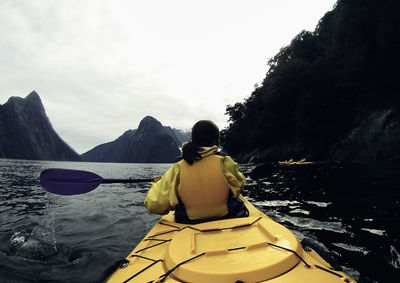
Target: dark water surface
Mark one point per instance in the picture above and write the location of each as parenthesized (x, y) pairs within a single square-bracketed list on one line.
[(348, 212)]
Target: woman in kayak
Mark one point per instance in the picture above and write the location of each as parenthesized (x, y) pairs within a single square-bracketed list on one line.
[(203, 184)]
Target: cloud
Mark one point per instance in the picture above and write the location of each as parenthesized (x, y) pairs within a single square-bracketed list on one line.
[(101, 66)]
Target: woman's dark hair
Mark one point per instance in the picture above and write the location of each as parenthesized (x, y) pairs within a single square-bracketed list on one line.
[(204, 133)]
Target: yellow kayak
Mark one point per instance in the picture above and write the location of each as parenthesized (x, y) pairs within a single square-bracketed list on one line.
[(248, 249), (292, 162)]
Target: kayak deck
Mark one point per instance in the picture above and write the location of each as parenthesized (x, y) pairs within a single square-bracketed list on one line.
[(248, 249)]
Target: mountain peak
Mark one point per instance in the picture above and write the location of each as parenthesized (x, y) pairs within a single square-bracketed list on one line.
[(149, 122), (28, 133), (151, 142), (34, 99), (33, 96)]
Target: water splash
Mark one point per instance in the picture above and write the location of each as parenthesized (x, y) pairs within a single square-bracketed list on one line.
[(40, 244)]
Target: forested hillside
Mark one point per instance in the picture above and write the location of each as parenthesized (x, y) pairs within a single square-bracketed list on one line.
[(333, 93)]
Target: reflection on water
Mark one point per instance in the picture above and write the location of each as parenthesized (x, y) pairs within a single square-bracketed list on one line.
[(346, 212)]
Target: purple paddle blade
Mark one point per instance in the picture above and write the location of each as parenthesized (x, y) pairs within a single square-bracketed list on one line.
[(69, 182)]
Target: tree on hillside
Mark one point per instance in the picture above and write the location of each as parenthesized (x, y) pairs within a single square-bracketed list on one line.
[(320, 84)]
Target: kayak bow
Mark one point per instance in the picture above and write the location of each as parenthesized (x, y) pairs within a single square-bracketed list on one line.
[(248, 249)]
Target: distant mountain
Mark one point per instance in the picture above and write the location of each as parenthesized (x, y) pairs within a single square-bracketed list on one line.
[(150, 143), (112, 151), (26, 132), (179, 136)]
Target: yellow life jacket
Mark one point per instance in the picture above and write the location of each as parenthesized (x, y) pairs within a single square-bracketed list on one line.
[(203, 188)]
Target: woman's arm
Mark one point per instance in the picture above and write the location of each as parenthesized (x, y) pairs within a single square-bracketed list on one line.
[(161, 197), (234, 177)]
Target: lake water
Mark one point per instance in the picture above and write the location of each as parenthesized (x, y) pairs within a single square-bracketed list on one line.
[(348, 212)]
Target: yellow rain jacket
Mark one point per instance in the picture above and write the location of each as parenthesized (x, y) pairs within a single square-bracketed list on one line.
[(203, 187)]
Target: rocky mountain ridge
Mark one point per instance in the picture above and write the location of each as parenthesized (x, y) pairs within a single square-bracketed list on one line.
[(150, 143), (26, 132)]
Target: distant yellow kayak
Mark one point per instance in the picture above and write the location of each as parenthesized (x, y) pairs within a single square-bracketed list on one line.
[(248, 249), (292, 162)]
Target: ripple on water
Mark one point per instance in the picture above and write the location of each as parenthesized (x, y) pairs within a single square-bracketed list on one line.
[(395, 257), (276, 203), (375, 231), (352, 248), (299, 211), (309, 223), (318, 203)]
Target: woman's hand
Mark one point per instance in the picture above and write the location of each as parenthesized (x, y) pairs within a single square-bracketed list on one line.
[(156, 179)]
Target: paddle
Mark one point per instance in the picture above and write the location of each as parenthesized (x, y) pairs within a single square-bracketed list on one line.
[(75, 182)]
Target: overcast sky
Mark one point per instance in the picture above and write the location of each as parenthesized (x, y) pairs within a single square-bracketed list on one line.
[(101, 66)]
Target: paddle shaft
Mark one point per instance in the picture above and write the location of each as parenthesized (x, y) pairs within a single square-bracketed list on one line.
[(125, 181)]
